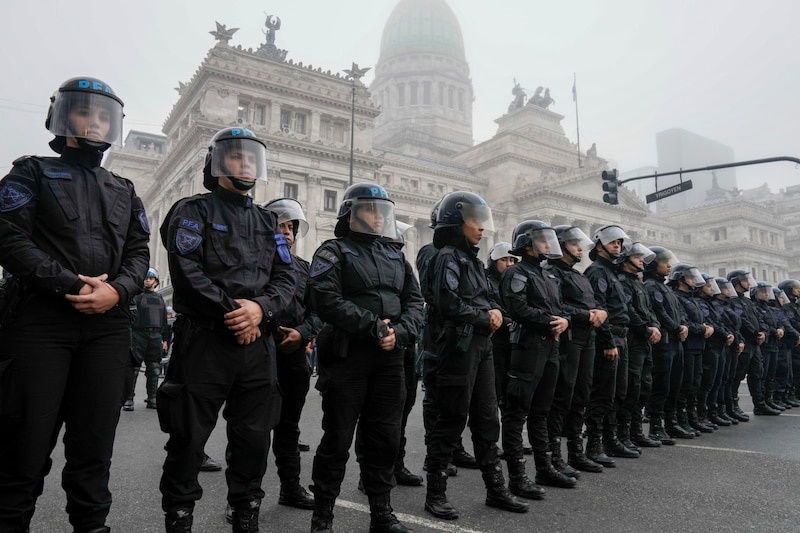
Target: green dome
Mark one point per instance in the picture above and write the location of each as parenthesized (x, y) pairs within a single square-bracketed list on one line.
[(422, 26)]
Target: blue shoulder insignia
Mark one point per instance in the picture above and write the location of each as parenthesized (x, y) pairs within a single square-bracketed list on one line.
[(187, 241), (13, 196)]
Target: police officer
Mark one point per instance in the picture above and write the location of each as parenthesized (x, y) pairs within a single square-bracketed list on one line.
[(295, 329), (232, 276), (750, 362), (150, 336), (576, 351), (500, 258), (791, 310), (366, 292), (762, 297), (76, 236), (644, 331), (532, 299), (611, 357), (463, 317), (667, 354), (685, 279), (720, 404), (790, 338)]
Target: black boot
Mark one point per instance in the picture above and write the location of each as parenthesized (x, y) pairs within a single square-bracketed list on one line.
[(322, 519), (683, 421), (770, 401), (578, 460), (657, 432), (463, 459), (694, 421), (178, 521), (702, 417), (546, 474), (294, 495), (614, 448), (518, 482), (788, 398), (640, 439), (741, 416), (381, 515), (435, 498), (674, 429), (245, 517), (558, 461), (595, 452), (405, 477), (716, 418), (624, 435), (497, 495), (762, 408)]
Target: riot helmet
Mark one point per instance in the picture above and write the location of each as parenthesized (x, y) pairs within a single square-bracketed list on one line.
[(367, 209), (710, 287), (605, 236), (435, 212), (791, 287), (762, 291), (464, 207), (153, 273), (501, 250), (726, 288), (781, 298), (663, 256), (740, 278), (640, 251), (539, 236), (87, 110), (686, 273), (289, 210), (572, 240), (237, 154)]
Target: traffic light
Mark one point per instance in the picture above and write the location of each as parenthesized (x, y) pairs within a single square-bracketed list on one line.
[(610, 186)]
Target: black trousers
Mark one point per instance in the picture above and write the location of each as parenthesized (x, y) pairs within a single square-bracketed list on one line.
[(412, 379), (208, 369), (664, 356), (712, 361), (609, 388), (365, 389), (464, 390), (729, 386), (692, 376), (529, 396), (675, 382), (769, 352), (573, 386), (638, 352), (60, 367), (501, 353), (294, 375), (750, 364), (147, 349), (783, 371)]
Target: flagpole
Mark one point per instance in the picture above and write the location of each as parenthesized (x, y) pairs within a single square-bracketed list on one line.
[(577, 124)]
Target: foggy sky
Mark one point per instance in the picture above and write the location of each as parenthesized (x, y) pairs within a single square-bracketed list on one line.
[(726, 70)]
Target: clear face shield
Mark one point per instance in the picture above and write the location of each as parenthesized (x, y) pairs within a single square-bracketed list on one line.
[(87, 115), (243, 159), (726, 288), (781, 297), (576, 236), (640, 250), (693, 274), (711, 288), (373, 216), (545, 242), (762, 292), (610, 234), (477, 216), (287, 210)]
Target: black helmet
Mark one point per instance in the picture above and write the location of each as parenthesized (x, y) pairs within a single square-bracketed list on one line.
[(788, 285), (87, 95), (684, 271), (663, 255), (761, 287), (289, 210), (460, 206), (738, 276), (371, 197), (234, 142), (529, 233), (435, 212), (710, 285), (726, 288)]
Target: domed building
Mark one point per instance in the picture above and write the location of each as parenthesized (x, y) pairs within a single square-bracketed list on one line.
[(413, 136)]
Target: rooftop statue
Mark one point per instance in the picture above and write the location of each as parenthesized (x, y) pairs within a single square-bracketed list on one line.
[(268, 49), (519, 97), (223, 34), (540, 100)]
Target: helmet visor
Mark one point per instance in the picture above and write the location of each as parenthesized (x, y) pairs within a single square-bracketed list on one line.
[(762, 291), (373, 216), (289, 210), (87, 115), (576, 235), (244, 159), (545, 242), (479, 216), (613, 233), (726, 288), (639, 249), (711, 287), (695, 275), (781, 296)]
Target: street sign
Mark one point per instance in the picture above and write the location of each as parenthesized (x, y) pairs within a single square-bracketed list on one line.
[(669, 191)]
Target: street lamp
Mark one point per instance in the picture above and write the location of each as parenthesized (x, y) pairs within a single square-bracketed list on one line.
[(355, 75)]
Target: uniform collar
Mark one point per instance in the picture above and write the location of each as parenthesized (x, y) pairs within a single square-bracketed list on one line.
[(84, 158), (243, 200)]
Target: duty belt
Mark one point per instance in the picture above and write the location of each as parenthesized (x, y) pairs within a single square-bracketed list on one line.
[(619, 331)]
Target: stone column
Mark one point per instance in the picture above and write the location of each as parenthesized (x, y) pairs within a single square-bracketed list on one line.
[(312, 207), (275, 116), (314, 133)]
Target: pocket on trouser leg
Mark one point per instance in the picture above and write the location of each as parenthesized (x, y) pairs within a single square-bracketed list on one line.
[(168, 398), (520, 390)]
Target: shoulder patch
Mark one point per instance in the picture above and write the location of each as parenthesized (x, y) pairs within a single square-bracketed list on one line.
[(283, 248), (328, 256), (518, 282), (187, 241), (319, 266), (13, 196), (452, 275), (658, 297), (602, 284), (142, 216)]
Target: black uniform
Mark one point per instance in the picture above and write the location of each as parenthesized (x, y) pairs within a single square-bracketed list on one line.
[(60, 217), (294, 375), (732, 323), (750, 362), (221, 248), (150, 332), (501, 343), (770, 346), (790, 351), (713, 353), (532, 298), (427, 347), (693, 348), (356, 282)]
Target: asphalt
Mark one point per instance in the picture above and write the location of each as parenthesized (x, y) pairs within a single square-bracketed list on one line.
[(743, 478)]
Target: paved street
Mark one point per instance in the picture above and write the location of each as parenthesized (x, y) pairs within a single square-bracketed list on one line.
[(743, 478)]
